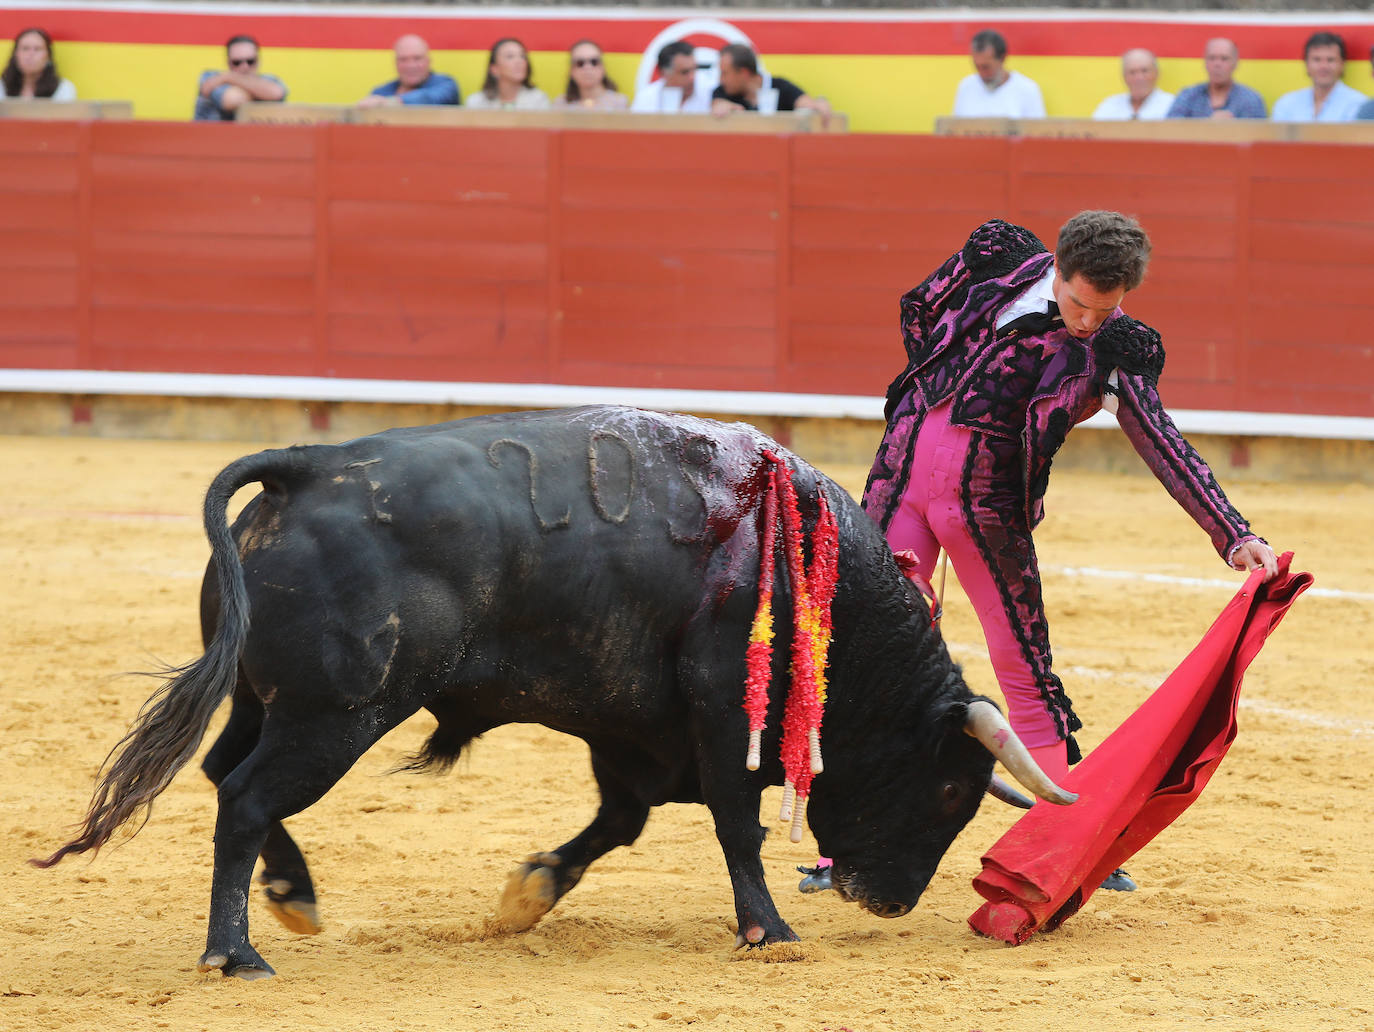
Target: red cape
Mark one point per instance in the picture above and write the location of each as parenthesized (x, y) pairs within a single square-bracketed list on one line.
[(1138, 781)]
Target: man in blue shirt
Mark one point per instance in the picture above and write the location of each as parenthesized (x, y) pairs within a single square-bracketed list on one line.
[(414, 82), (1220, 96), (1327, 99)]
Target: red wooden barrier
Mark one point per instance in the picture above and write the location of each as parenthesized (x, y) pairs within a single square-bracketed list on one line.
[(649, 259)]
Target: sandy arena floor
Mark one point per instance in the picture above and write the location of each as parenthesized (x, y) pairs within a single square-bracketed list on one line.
[(1255, 910)]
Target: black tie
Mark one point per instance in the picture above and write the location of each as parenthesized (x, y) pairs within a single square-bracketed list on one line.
[(1034, 324)]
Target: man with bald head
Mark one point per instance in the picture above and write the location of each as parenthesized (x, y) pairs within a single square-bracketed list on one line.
[(1220, 96), (415, 82), (1143, 98)]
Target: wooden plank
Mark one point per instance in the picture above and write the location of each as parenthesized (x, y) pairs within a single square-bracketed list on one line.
[(241, 213), (1313, 161), (896, 153), (883, 229), (679, 153), (977, 191), (893, 272), (1313, 243), (209, 291), (409, 220), (204, 140), (478, 182), (264, 255), (705, 230), (660, 267), (838, 308), (1141, 196), (24, 249), (36, 325), (172, 333), (707, 307), (436, 346), (670, 345), (41, 287), (435, 146), (742, 189), (26, 173), (38, 138), (141, 173), (1327, 200), (39, 213), (404, 296), (837, 359), (461, 260)]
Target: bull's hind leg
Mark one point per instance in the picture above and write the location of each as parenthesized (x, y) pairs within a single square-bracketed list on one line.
[(289, 890), (297, 759), (545, 878)]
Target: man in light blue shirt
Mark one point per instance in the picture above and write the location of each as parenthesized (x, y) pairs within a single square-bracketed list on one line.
[(1327, 99), (415, 83), (1367, 109)]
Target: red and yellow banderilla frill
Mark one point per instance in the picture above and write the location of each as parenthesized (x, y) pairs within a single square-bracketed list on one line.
[(813, 590)]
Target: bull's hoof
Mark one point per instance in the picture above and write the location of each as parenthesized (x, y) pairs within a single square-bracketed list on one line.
[(295, 910), (530, 893), (243, 962), (756, 936)]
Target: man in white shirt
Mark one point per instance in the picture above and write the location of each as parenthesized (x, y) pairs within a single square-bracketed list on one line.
[(1327, 99), (1143, 98), (993, 90), (677, 70)]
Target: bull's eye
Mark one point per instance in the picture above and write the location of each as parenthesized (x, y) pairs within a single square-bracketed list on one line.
[(951, 795)]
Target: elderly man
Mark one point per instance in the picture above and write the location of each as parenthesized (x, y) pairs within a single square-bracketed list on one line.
[(415, 82), (742, 84), (993, 90), (1220, 96), (1327, 99), (222, 93), (677, 70), (1143, 98)]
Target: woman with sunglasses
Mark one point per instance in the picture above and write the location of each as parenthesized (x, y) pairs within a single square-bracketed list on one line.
[(509, 84), (589, 87), (32, 73)]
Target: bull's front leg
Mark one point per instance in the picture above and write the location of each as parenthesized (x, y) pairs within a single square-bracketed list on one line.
[(741, 837)]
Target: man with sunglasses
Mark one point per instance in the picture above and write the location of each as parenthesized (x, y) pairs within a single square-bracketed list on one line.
[(221, 93)]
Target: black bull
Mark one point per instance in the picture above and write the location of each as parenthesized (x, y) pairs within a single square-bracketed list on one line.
[(594, 571)]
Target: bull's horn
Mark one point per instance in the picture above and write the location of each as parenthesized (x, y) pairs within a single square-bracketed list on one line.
[(999, 789), (988, 725)]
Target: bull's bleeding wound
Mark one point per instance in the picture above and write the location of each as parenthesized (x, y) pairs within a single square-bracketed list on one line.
[(812, 593)]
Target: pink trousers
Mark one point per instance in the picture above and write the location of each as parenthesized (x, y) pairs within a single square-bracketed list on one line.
[(932, 514)]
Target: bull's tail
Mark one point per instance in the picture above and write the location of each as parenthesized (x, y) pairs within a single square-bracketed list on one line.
[(171, 724)]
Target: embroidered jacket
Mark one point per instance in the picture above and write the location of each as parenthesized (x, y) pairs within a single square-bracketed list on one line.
[(1026, 393)]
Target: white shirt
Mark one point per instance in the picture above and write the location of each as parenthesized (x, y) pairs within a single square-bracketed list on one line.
[(1117, 107), (1018, 97), (1037, 298), (528, 99), (65, 91), (1341, 104), (650, 98)]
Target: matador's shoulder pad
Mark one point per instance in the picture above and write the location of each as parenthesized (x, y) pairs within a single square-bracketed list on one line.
[(997, 247), (1131, 346)]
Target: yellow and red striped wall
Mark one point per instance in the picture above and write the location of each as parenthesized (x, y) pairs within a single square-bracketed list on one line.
[(892, 72)]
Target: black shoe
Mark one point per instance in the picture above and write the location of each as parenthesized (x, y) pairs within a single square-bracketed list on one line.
[(817, 879), (1118, 881)]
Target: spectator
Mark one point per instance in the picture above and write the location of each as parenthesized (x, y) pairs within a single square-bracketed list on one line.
[(1367, 108), (32, 73), (415, 82), (222, 93), (742, 85), (992, 90), (1220, 96), (509, 84), (677, 70), (1143, 98), (588, 84), (1327, 99)]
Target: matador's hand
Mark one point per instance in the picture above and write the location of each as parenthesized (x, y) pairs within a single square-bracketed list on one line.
[(1254, 554)]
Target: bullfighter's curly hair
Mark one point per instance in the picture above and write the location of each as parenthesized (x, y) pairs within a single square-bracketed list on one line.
[(1106, 248)]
